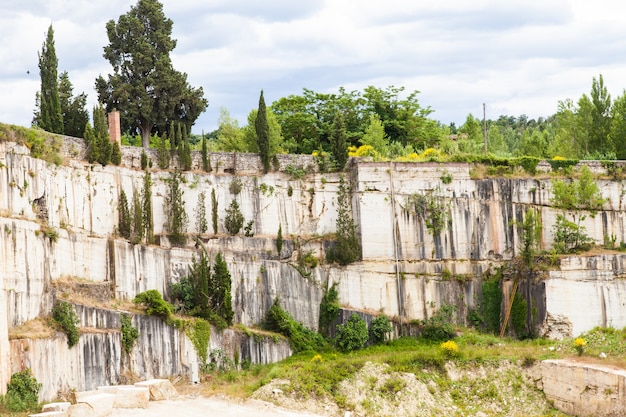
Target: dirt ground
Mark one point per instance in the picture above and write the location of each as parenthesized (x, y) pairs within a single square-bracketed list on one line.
[(199, 406)]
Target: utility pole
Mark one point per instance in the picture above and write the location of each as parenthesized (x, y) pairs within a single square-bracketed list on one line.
[(485, 127)]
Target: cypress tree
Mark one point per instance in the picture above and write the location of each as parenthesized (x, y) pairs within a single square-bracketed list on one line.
[(124, 218), (263, 134), (206, 161), (214, 219), (73, 109), (101, 132), (50, 117), (146, 207), (339, 142), (177, 218), (220, 290), (201, 223), (136, 235)]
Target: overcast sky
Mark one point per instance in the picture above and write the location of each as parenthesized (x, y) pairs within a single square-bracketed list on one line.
[(518, 57)]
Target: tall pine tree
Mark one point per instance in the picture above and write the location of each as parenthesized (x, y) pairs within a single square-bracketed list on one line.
[(263, 134), (49, 117)]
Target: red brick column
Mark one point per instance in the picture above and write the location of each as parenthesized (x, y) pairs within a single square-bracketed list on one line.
[(115, 135)]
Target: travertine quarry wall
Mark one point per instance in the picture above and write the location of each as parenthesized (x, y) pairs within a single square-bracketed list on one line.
[(404, 272)]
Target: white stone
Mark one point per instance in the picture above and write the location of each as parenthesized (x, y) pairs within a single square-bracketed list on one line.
[(92, 405), (160, 389), (128, 396), (49, 414), (56, 406)]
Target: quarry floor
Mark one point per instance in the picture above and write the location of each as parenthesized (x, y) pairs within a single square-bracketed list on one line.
[(199, 406)]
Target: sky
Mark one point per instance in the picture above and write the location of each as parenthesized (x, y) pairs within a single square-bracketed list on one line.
[(516, 57)]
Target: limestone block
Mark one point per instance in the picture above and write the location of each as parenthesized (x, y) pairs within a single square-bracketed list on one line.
[(49, 414), (58, 406), (128, 396), (95, 405), (160, 389)]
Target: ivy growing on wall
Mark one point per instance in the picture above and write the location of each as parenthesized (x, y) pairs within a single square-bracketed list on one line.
[(64, 315), (129, 333), (432, 209)]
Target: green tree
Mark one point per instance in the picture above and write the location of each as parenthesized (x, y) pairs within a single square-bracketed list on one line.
[(49, 117), (277, 144), (73, 109), (136, 235), (263, 134), (234, 219), (298, 123), (375, 135), (146, 208), (220, 290), (617, 132), (600, 117), (163, 152), (353, 335), (201, 223), (347, 248), (339, 143), (146, 89), (214, 218), (230, 137), (102, 144), (124, 216), (206, 159), (176, 216)]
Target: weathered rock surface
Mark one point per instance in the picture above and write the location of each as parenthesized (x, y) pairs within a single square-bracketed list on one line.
[(160, 389), (583, 389)]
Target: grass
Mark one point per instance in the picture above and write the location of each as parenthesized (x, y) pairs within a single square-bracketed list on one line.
[(42, 144)]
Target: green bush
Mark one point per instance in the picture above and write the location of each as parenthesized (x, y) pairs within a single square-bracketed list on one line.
[(329, 309), (129, 333), (300, 337), (439, 326), (22, 392), (234, 219), (155, 304), (63, 313), (381, 326), (353, 335), (569, 236)]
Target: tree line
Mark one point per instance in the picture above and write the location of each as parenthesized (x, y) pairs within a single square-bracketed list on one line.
[(157, 105)]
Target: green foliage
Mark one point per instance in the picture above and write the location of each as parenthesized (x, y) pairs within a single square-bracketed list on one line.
[(353, 335), (580, 194), (146, 209), (247, 230), (235, 186), (300, 337), (294, 173), (176, 216), (201, 222), (530, 237), (163, 152), (154, 303), (73, 109), (49, 116), (221, 298), (433, 210), (184, 153), (139, 47), (279, 239), (446, 178), (136, 235), (22, 392), (491, 305), (129, 333), (263, 134), (439, 326), (64, 315), (338, 141), (184, 295), (116, 154), (124, 216), (518, 316), (329, 309), (200, 334), (381, 326), (206, 159), (214, 218), (569, 236), (144, 160), (234, 219), (562, 164), (102, 144), (347, 248)]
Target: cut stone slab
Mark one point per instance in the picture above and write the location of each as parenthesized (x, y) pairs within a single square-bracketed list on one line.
[(160, 389), (49, 414), (58, 406), (95, 405), (128, 396)]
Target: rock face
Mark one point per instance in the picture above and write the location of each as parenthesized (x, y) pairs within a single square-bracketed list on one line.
[(61, 221), (585, 389)]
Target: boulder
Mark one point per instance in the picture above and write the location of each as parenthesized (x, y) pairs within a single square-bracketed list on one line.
[(49, 414), (92, 405), (58, 406), (128, 396)]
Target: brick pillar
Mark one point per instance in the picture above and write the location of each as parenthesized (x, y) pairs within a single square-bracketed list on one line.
[(115, 135)]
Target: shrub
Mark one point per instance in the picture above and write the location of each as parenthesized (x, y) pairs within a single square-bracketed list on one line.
[(235, 186), (329, 309), (248, 229), (63, 313), (22, 392), (155, 304), (381, 326), (439, 326), (300, 337), (129, 333), (279, 239), (353, 335), (569, 236), (144, 160), (234, 219), (450, 349), (579, 345)]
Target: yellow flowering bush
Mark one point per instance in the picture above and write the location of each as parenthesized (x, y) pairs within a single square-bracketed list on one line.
[(558, 158), (363, 150), (450, 348), (317, 358), (579, 345)]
